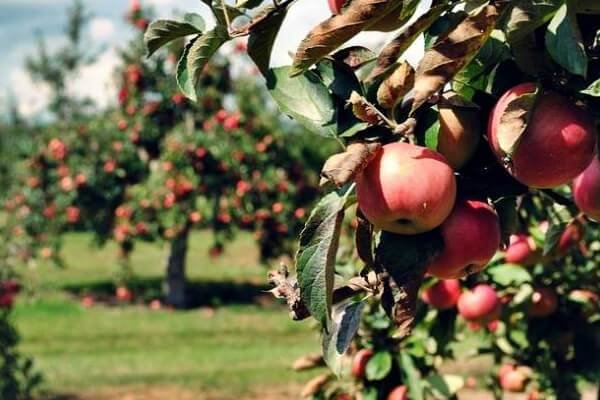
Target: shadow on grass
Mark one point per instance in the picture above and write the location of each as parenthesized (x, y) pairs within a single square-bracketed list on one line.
[(199, 294)]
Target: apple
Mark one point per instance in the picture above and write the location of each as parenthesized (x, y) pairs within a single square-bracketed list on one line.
[(359, 363), (155, 304), (6, 300), (195, 217), (481, 304), (544, 302), (406, 189), (522, 250), (459, 135), (142, 23), (87, 301), (277, 207), (178, 99), (443, 294), (58, 149), (109, 166), (471, 236), (336, 6), (299, 213), (513, 379), (586, 190), (231, 122), (123, 294), (556, 147), (73, 214), (122, 125), (398, 393), (572, 235)]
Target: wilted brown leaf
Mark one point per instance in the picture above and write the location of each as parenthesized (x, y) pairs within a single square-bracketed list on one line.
[(396, 85), (364, 110), (313, 386), (342, 168), (393, 50), (513, 122), (308, 361), (451, 53), (338, 29)]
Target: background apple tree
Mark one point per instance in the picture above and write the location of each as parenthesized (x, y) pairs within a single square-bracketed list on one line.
[(482, 154)]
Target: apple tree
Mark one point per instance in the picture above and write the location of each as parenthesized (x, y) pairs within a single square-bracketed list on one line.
[(488, 142)]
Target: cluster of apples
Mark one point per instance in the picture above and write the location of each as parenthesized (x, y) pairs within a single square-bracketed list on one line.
[(408, 189)]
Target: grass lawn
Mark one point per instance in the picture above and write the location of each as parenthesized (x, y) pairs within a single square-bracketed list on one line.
[(241, 348)]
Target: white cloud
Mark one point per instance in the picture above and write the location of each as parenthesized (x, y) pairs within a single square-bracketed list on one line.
[(101, 29), (96, 81), (32, 97)]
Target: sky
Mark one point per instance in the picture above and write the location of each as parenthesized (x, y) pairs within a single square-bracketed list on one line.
[(22, 20)]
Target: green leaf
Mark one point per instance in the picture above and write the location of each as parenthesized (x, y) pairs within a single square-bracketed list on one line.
[(262, 37), (553, 235), (564, 43), (183, 79), (432, 135), (528, 15), (445, 386), (163, 31), (412, 376), (509, 274), (200, 53), (378, 366), (345, 322), (593, 89), (304, 98), (315, 259), (195, 19), (514, 120)]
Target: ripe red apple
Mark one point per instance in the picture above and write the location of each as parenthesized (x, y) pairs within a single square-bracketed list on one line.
[(73, 214), (277, 207), (6, 300), (481, 304), (586, 190), (123, 294), (443, 294), (359, 363), (459, 135), (544, 302), (522, 250), (514, 380), (398, 393), (556, 147), (406, 189), (471, 237), (336, 6)]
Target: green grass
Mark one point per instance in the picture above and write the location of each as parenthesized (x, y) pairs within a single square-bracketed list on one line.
[(241, 348)]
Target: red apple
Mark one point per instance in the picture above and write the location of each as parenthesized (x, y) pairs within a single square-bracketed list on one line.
[(73, 214), (359, 363), (514, 380), (481, 304), (522, 250), (398, 393), (586, 190), (556, 147), (443, 294), (544, 302), (123, 294), (336, 6), (7, 300), (471, 237), (406, 189)]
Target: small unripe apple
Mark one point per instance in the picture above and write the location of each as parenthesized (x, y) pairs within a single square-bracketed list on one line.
[(398, 393), (471, 236), (443, 294), (481, 304), (586, 190), (359, 363), (557, 145), (406, 189), (522, 250), (544, 302)]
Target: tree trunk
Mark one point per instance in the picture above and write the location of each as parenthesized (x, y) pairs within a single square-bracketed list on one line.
[(175, 282)]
